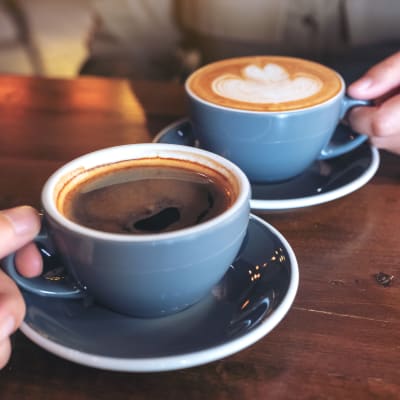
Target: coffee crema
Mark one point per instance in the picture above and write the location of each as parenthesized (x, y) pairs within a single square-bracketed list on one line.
[(265, 83), (145, 196)]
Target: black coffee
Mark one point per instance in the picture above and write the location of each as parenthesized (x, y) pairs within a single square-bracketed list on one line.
[(145, 196)]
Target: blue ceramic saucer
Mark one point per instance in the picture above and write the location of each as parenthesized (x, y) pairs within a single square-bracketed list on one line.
[(324, 181), (251, 299)]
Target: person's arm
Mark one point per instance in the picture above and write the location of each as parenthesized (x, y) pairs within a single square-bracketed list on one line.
[(382, 121), (18, 226)]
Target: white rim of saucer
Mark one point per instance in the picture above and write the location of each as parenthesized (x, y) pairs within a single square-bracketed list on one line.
[(276, 205), (187, 360), (300, 202)]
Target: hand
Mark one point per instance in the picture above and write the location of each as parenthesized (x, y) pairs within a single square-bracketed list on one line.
[(18, 226), (380, 122)]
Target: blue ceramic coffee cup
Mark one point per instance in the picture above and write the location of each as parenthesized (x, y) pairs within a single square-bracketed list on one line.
[(269, 146), (143, 275)]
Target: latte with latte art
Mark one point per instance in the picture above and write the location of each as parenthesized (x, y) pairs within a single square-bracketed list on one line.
[(265, 83)]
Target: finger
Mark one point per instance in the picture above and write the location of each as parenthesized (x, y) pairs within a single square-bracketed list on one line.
[(12, 311), (18, 226), (379, 121), (12, 306), (390, 143), (5, 352), (29, 261), (380, 79)]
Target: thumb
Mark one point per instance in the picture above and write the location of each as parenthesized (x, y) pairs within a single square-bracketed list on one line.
[(379, 80), (18, 226)]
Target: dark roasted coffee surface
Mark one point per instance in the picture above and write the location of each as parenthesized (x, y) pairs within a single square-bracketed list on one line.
[(146, 199)]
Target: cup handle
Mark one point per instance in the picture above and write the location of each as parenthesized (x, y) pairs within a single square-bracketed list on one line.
[(354, 139), (53, 282)]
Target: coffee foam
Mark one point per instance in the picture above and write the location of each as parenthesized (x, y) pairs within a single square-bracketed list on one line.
[(265, 83), (271, 84)]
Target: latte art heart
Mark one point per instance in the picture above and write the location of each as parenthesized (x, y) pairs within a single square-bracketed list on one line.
[(270, 84)]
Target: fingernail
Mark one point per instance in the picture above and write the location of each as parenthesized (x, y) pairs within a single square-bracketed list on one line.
[(364, 84), (20, 218), (7, 327)]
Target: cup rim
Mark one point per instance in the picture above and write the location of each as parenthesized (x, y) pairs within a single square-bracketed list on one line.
[(194, 96), (142, 150)]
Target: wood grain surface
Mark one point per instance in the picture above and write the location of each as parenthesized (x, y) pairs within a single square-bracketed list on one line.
[(340, 340)]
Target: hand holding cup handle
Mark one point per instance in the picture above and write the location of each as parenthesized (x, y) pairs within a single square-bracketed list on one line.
[(59, 285)]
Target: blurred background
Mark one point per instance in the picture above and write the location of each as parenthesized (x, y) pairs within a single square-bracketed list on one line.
[(167, 39)]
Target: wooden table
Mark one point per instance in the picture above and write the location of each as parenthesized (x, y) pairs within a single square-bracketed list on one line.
[(340, 340)]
